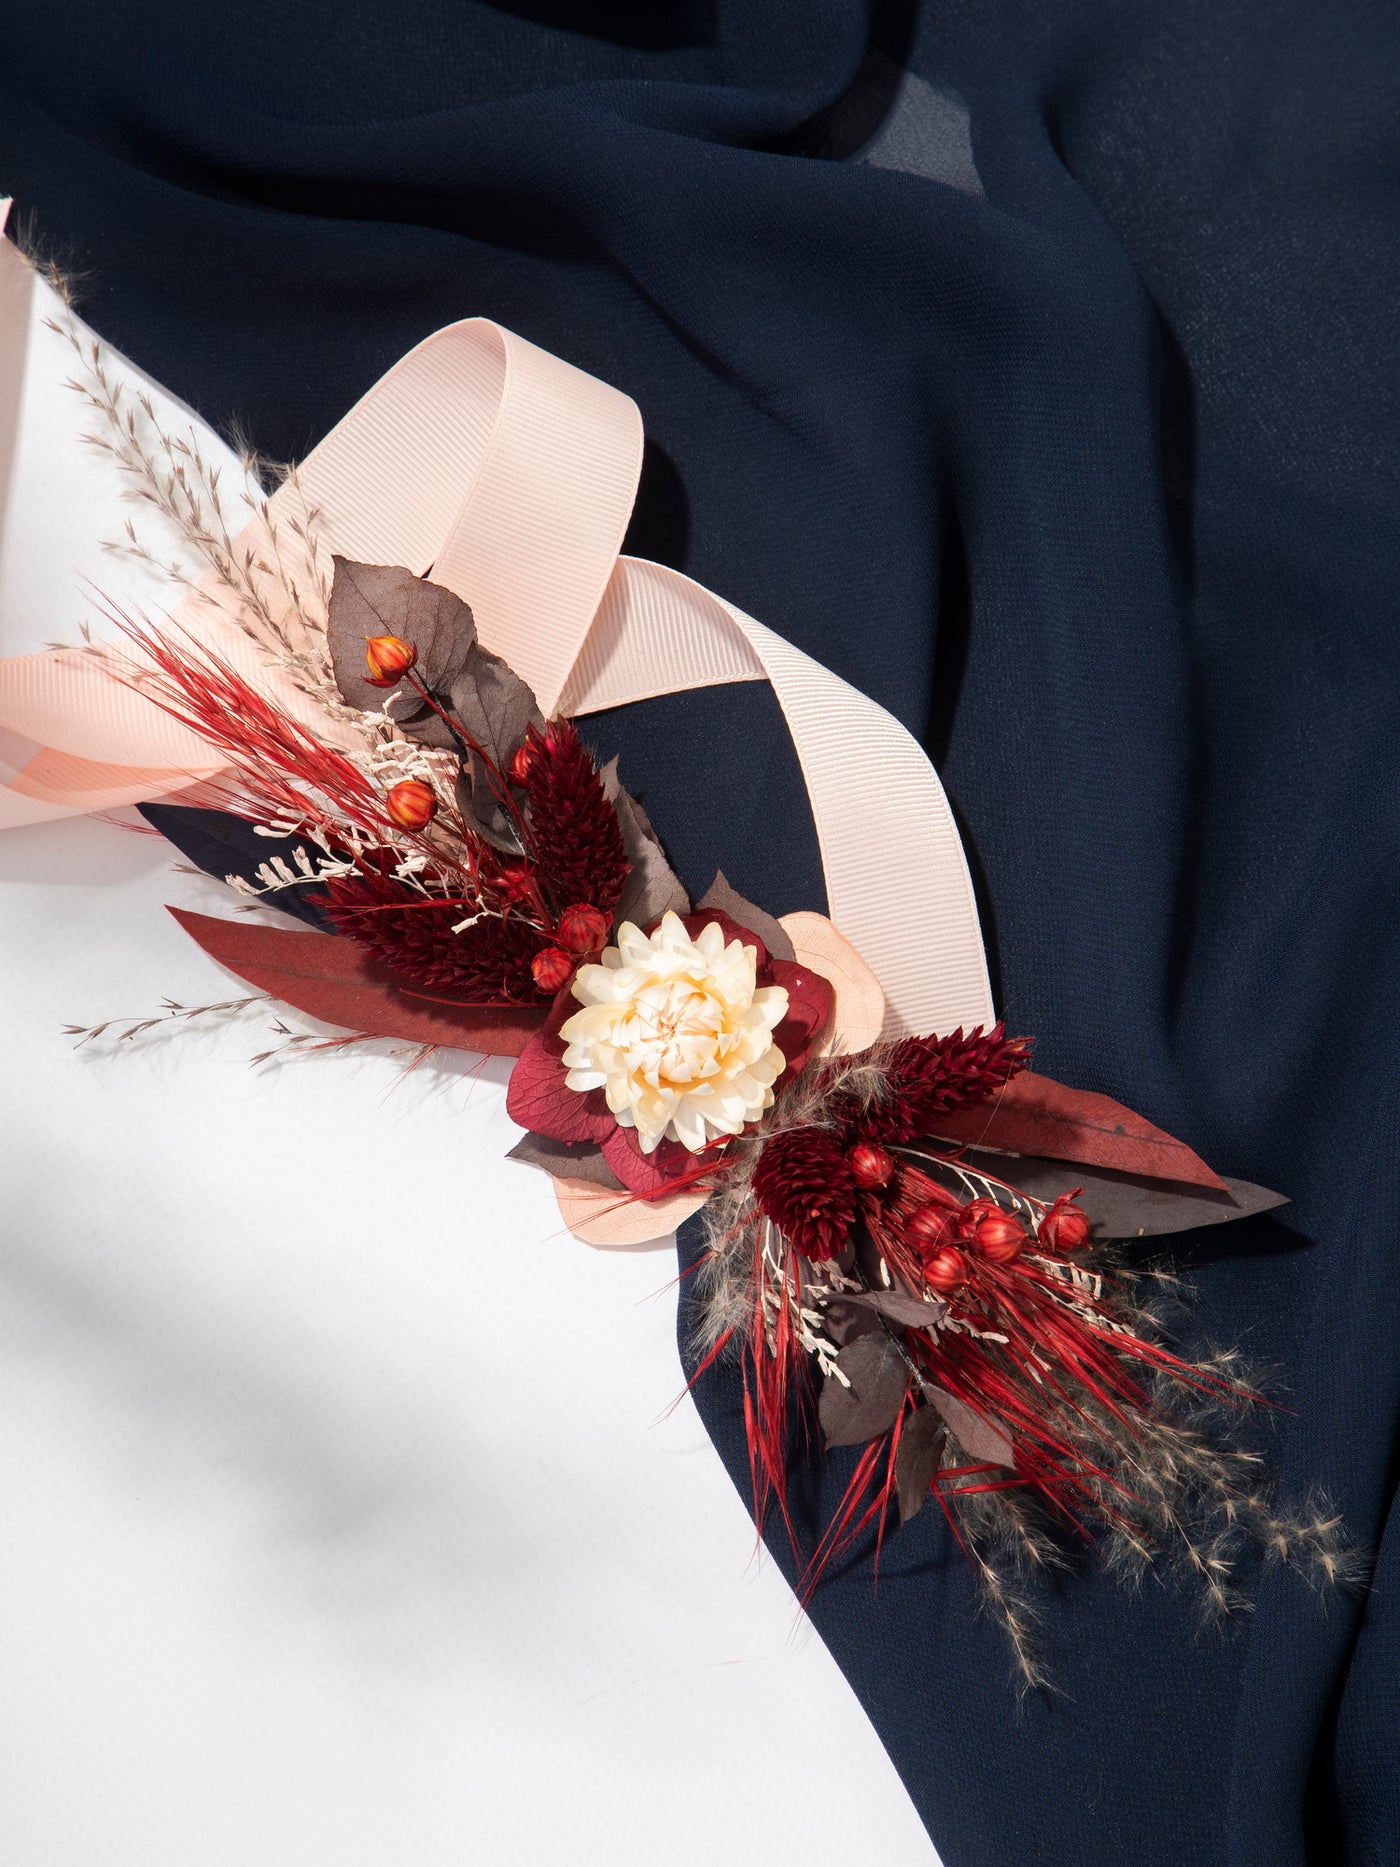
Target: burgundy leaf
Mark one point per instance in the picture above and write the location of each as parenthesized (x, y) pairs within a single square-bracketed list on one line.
[(669, 1168), (337, 981), (810, 999), (1036, 1115), (540, 1099), (916, 1461), (879, 1380)]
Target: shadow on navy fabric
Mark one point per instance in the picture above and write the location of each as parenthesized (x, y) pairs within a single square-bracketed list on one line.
[(1035, 368)]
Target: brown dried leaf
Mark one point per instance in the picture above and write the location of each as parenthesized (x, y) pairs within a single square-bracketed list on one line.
[(726, 900), (879, 1380), (900, 1306), (566, 1160), (920, 1448), (385, 599), (982, 1442), (653, 887)]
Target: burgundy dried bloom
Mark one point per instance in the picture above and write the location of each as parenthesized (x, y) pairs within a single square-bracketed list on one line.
[(931, 1076), (803, 1184), (575, 836)]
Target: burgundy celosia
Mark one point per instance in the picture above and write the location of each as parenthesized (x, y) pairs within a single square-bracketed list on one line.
[(803, 1184), (575, 838), (930, 1076), (488, 963)]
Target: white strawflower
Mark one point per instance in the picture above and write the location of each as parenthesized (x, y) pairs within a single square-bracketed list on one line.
[(677, 1033)]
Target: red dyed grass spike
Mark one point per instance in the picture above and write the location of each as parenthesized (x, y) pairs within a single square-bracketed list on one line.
[(574, 834)]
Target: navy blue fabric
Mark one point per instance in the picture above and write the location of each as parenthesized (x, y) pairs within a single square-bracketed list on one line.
[(1036, 369)]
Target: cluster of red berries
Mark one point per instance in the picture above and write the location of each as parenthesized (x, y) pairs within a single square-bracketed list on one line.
[(947, 1233), (581, 930)]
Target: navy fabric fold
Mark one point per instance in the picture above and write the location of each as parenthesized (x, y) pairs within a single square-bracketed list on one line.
[(1036, 370)]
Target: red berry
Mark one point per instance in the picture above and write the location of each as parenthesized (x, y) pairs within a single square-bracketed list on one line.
[(1000, 1236), (411, 804), (930, 1227), (1065, 1226), (582, 929), (552, 969), (946, 1271), (871, 1166)]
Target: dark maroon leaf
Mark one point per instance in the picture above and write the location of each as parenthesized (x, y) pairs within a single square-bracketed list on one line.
[(879, 1380), (1036, 1115), (982, 1442), (720, 895), (1125, 1205), (900, 1306), (920, 1449), (563, 1160), (385, 599)]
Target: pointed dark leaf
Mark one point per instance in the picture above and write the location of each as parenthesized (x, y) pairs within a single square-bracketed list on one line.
[(844, 1321), (901, 1306), (494, 706), (1124, 1205), (720, 895), (979, 1439), (385, 599), (482, 808), (653, 888), (879, 1380), (1035, 1115), (223, 845), (564, 1161), (920, 1449), (337, 981)]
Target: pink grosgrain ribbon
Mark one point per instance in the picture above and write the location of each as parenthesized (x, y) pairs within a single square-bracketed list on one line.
[(509, 475)]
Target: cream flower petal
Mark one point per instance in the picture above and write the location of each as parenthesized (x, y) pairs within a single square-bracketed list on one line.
[(677, 1032)]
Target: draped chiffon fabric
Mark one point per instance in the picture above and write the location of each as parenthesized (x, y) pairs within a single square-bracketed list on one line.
[(1035, 369)]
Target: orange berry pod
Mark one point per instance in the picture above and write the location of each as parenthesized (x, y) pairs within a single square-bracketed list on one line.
[(387, 659), (411, 804)]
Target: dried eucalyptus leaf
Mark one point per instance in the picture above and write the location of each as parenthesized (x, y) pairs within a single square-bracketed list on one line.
[(920, 1448), (981, 1440), (879, 1380), (726, 900), (653, 887), (567, 1160), (900, 1306), (493, 704), (385, 599), (843, 1321), (482, 809)]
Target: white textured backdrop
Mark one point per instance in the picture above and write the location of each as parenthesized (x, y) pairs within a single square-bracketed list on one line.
[(341, 1521)]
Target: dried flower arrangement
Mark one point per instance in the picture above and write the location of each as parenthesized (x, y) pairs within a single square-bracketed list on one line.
[(910, 1242)]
